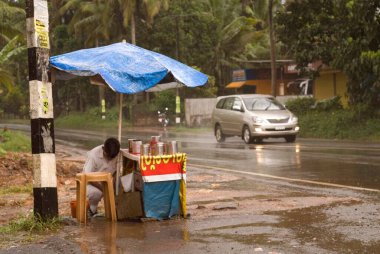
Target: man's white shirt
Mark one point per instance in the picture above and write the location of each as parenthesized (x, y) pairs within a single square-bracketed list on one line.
[(96, 162)]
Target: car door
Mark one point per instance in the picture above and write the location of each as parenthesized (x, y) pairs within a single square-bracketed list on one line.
[(237, 116), (225, 118), (218, 112)]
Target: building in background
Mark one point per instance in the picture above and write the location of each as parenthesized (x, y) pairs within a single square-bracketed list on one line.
[(256, 78)]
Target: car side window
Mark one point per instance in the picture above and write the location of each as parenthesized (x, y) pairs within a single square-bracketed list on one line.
[(237, 104), (220, 103), (228, 103)]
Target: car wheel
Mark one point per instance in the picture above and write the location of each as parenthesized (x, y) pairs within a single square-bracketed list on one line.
[(247, 137), (290, 139), (219, 134)]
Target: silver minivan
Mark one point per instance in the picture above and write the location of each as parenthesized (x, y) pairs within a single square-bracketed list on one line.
[(253, 117)]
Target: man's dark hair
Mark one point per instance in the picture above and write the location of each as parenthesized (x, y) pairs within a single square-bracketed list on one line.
[(112, 147)]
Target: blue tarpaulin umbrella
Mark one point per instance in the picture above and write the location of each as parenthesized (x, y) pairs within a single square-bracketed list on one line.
[(127, 68)]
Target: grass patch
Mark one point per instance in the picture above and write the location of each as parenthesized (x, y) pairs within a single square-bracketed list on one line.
[(85, 121), (91, 120), (13, 141), (30, 223), (15, 121), (17, 189), (27, 228)]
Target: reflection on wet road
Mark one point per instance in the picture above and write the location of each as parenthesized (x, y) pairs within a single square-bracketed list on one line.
[(353, 164)]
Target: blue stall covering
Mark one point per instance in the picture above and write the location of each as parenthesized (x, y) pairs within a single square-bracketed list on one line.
[(127, 68), (161, 199)]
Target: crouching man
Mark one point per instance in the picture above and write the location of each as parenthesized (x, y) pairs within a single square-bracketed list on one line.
[(102, 158)]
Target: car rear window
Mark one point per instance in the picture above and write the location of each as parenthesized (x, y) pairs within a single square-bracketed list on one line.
[(262, 104)]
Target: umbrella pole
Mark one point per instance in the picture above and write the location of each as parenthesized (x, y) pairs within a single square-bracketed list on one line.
[(120, 116), (119, 163)]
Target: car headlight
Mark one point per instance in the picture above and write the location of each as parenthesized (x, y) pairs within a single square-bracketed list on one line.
[(294, 119), (258, 120)]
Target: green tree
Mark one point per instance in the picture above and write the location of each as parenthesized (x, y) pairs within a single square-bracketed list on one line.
[(260, 47), (342, 34), (232, 33), (102, 21), (93, 21), (12, 48), (264, 43), (12, 41), (12, 21), (150, 9)]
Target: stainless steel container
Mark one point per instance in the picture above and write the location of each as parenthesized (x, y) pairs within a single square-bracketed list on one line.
[(130, 143), (172, 147), (160, 148), (145, 149), (136, 146)]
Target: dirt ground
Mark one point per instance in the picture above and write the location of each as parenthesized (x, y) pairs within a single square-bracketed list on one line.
[(205, 198), (16, 171)]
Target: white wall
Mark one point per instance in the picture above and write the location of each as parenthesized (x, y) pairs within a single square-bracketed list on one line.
[(198, 111)]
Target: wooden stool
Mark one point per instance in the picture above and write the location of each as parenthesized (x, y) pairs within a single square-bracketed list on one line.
[(82, 180)]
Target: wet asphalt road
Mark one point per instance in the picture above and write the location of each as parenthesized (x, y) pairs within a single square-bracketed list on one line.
[(355, 164), (311, 196)]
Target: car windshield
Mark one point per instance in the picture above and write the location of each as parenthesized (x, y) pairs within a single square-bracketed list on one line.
[(263, 104)]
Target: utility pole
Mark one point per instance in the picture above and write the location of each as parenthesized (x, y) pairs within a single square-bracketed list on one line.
[(272, 49), (41, 110)]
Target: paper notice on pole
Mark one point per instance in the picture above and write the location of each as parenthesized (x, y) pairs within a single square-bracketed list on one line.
[(42, 34)]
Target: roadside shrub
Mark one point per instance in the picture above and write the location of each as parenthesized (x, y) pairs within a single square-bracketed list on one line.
[(338, 124), (300, 106), (364, 111), (330, 104), (322, 124), (13, 101), (165, 99)]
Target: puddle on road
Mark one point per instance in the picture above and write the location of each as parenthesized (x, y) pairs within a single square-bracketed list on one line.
[(101, 236), (315, 229)]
